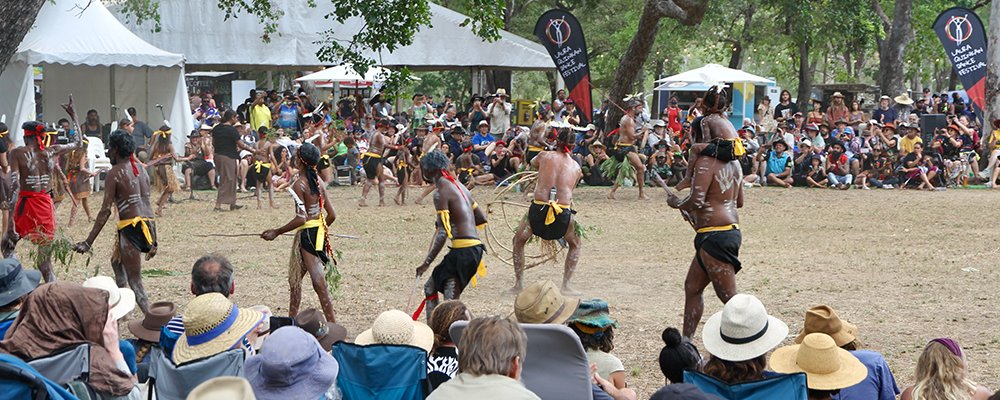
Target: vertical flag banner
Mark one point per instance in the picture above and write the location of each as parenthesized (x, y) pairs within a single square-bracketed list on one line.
[(961, 32), (562, 35)]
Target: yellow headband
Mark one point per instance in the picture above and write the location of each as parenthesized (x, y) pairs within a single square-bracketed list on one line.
[(4, 133), (162, 133)]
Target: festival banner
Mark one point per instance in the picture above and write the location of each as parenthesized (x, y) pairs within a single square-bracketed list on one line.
[(961, 32), (562, 35)]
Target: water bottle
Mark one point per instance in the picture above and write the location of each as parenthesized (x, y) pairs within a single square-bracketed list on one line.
[(552, 194)]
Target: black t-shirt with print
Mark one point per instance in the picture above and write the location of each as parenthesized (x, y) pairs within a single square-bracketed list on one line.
[(442, 365)]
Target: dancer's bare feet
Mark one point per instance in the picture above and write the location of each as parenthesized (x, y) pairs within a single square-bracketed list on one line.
[(570, 291), (361, 203), (514, 291)]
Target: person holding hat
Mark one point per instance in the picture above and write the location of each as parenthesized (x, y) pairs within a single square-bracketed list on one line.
[(60, 315), (738, 339), (293, 365), (442, 361), (942, 373), (879, 384), (828, 368), (212, 325), (884, 114), (499, 113), (15, 283), (34, 213), (490, 358)]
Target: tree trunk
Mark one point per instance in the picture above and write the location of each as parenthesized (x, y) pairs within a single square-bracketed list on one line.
[(805, 76), (687, 12), (892, 48), (953, 79), (736, 58), (848, 64), (19, 16), (992, 68)]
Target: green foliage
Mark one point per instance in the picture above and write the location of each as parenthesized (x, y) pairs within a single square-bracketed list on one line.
[(157, 273), (333, 276)]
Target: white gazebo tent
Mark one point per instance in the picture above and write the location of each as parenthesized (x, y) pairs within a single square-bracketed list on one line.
[(344, 74), (742, 83), (86, 52)]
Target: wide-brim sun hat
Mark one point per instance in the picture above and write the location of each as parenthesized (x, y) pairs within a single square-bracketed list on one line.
[(292, 366), (742, 330), (823, 319), (15, 281), (212, 325), (223, 388), (903, 99), (395, 327), (542, 303), (827, 367), (148, 328), (121, 301)]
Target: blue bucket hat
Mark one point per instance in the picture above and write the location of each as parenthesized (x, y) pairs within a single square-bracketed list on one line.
[(593, 313), (16, 281), (292, 365)]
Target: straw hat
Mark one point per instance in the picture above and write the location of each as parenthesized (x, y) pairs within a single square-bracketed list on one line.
[(827, 366), (148, 328), (501, 92), (223, 388), (212, 324), (395, 327), (742, 330), (838, 94), (903, 99), (120, 300), (292, 366), (823, 319), (543, 303), (314, 322)]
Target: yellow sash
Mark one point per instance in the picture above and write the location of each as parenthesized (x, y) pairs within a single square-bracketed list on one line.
[(320, 233), (122, 224), (446, 221), (738, 149), (554, 209), (259, 164), (481, 268), (535, 148), (373, 155), (722, 228)]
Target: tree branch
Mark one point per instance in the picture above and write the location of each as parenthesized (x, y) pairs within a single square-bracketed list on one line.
[(980, 4), (886, 23), (687, 12)]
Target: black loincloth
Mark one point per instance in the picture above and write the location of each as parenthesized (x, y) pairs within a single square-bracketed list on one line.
[(721, 245)]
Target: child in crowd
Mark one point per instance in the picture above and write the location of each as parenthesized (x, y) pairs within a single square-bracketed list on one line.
[(592, 323)]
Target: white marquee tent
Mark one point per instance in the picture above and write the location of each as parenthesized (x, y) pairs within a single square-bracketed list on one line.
[(86, 52), (196, 29), (715, 73)]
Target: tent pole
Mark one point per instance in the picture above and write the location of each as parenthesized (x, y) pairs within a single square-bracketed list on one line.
[(270, 81)]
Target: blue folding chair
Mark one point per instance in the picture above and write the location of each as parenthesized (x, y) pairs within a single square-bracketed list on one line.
[(381, 371), (783, 387), (19, 381)]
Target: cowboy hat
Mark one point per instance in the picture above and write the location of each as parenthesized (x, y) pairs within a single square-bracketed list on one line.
[(659, 123), (501, 92), (395, 327), (292, 366), (148, 328), (120, 300), (838, 94), (823, 319), (15, 281), (206, 127), (542, 303), (742, 330), (212, 325), (903, 99), (827, 366), (314, 322), (223, 388)]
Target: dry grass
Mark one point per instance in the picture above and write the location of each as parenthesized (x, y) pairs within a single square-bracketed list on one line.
[(904, 266)]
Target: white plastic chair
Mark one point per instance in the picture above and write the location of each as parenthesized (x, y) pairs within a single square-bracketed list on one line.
[(97, 159)]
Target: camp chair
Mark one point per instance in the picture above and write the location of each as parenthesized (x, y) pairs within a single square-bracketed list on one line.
[(66, 365), (19, 381), (381, 371), (97, 159), (174, 382), (555, 366), (784, 387)]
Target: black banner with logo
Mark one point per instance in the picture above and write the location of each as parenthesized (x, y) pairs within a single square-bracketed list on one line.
[(562, 35), (961, 32)]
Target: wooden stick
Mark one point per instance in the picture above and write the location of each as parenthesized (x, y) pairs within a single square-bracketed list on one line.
[(236, 235)]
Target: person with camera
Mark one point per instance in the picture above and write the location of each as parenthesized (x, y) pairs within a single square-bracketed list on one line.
[(498, 113), (288, 112)]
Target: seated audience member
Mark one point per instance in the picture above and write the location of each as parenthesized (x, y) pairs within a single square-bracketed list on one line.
[(212, 325), (678, 354), (210, 274), (122, 302), (19, 283), (59, 315), (681, 391), (395, 327), (879, 384), (596, 330), (293, 365), (147, 334), (739, 338), (592, 174), (777, 164), (223, 388), (314, 322), (838, 173), (491, 354), (442, 363), (828, 368), (941, 373), (542, 303), (918, 169)]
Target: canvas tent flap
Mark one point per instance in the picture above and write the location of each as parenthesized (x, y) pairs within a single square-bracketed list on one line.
[(444, 44), (717, 74), (79, 32)]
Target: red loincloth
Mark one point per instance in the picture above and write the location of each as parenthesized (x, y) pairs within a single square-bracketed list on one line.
[(34, 216)]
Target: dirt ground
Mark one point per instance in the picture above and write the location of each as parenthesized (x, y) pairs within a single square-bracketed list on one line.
[(905, 267)]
